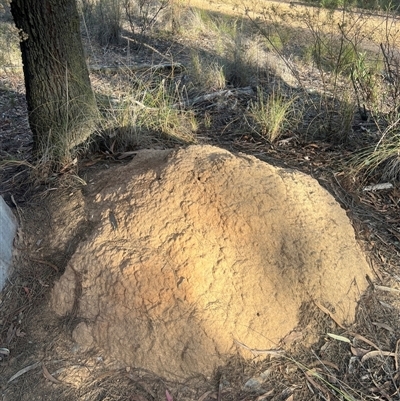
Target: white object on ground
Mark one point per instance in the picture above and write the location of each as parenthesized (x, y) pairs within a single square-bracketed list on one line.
[(8, 227), (378, 187)]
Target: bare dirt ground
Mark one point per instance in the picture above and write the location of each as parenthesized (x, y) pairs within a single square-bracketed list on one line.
[(41, 366)]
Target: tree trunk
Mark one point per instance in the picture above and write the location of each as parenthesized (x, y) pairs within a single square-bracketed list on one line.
[(61, 104)]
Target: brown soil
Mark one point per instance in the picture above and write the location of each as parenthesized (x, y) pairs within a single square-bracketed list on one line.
[(193, 252)]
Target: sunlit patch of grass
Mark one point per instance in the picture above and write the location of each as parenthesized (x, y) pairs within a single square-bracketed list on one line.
[(10, 55), (207, 75), (151, 113)]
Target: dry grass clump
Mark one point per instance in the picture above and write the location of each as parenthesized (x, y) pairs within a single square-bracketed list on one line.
[(149, 113), (230, 44), (207, 74), (380, 162), (270, 116)]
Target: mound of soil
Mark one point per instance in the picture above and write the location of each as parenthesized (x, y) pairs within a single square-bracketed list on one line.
[(189, 255)]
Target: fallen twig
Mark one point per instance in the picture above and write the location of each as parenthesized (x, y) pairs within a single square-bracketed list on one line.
[(23, 371)]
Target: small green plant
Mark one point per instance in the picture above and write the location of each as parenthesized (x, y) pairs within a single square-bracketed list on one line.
[(270, 116), (332, 54), (366, 86)]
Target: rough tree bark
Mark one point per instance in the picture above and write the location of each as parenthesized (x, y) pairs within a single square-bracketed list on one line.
[(61, 104)]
